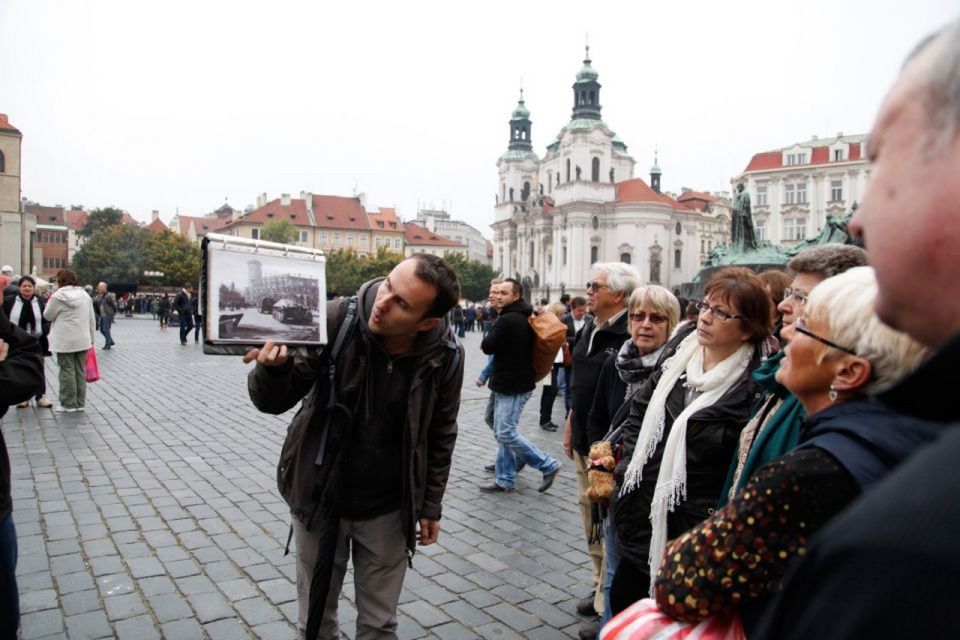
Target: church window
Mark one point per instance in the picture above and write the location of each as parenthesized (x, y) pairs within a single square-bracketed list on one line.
[(595, 222), (625, 258), (678, 228), (503, 192), (2, 163), (611, 176), (549, 182), (595, 170), (526, 192), (594, 255), (558, 178), (591, 98), (568, 169), (531, 254), (563, 253), (677, 258), (511, 194)]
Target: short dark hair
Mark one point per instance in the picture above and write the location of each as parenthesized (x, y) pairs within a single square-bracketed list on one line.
[(188, 285), (433, 270), (515, 284), (67, 278), (28, 279), (740, 287), (577, 302), (565, 298)]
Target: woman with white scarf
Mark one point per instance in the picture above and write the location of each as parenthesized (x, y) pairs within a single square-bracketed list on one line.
[(25, 310), (683, 428)]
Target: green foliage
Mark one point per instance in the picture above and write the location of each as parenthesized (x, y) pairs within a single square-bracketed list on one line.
[(474, 276), (101, 219), (346, 270), (281, 231), (122, 252)]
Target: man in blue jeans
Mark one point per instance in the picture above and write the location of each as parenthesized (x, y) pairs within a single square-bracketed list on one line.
[(108, 309), (510, 340), (21, 376)]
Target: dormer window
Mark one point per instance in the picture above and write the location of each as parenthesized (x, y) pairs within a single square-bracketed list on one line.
[(794, 159), (838, 155), (269, 215)]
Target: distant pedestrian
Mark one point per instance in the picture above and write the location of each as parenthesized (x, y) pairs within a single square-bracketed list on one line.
[(70, 311), (184, 309), (197, 318), (108, 310)]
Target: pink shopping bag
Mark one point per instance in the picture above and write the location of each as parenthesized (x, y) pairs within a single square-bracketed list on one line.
[(92, 370), (644, 621)]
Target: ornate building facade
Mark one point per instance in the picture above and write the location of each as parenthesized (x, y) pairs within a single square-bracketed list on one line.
[(581, 204)]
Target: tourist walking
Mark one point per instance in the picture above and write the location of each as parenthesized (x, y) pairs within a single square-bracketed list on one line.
[(108, 305)]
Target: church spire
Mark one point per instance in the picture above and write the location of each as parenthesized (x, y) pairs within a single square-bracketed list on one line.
[(655, 174), (586, 91), (520, 126)]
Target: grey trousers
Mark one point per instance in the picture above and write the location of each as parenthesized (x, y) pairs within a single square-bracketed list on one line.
[(73, 379), (379, 553)]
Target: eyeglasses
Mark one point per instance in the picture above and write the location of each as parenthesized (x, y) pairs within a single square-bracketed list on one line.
[(654, 318), (717, 312), (596, 286), (798, 295), (801, 326)]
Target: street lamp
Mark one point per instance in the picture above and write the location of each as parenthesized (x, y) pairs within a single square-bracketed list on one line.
[(153, 274)]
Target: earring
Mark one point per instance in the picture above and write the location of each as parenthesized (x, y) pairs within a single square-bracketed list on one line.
[(832, 395)]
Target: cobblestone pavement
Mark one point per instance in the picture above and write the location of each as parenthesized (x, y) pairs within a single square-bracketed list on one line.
[(155, 514)]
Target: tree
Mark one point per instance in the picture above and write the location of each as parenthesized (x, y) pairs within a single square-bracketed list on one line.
[(343, 270), (474, 276), (122, 252), (174, 255), (380, 264), (281, 231), (101, 219)]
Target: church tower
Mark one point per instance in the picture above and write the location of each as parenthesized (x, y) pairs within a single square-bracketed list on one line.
[(586, 92), (655, 174), (520, 126), (518, 166)]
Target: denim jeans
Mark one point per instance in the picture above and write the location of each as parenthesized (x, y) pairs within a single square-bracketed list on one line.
[(106, 322), (612, 557), (512, 446), (9, 599)]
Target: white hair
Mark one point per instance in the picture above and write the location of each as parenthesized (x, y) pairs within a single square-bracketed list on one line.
[(844, 305), (620, 276)]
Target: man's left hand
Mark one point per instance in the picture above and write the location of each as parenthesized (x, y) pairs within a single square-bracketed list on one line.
[(428, 532)]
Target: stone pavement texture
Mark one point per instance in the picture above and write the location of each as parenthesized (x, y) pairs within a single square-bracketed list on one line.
[(154, 513)]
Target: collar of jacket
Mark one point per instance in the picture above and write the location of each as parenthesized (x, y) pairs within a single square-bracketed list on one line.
[(927, 392), (520, 306)]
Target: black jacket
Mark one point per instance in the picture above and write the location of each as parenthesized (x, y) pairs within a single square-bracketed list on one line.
[(887, 567), (712, 437), (21, 378), (586, 371), (510, 340), (610, 406), (182, 304), (44, 323)]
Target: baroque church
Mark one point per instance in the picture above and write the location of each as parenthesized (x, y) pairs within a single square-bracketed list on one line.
[(581, 204)]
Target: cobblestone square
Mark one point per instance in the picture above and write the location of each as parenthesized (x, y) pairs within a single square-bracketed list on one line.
[(155, 513)]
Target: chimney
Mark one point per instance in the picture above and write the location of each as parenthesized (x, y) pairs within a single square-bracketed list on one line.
[(362, 197), (154, 215), (285, 199), (839, 134), (307, 198)]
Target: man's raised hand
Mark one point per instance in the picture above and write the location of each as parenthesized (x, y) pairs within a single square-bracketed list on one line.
[(269, 355)]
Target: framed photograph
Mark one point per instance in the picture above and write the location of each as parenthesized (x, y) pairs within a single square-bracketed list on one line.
[(253, 291)]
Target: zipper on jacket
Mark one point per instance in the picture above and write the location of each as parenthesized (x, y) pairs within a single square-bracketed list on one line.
[(389, 364)]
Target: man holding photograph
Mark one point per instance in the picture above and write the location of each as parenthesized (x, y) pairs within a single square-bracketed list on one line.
[(366, 477)]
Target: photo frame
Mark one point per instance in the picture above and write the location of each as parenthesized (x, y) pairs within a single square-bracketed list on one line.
[(252, 291)]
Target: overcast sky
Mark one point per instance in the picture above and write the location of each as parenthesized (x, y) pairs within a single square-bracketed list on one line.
[(181, 104)]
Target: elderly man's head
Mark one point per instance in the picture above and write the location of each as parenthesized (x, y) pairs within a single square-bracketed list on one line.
[(811, 267), (609, 289), (908, 217)]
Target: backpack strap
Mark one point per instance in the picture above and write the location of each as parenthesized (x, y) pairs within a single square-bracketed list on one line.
[(344, 333)]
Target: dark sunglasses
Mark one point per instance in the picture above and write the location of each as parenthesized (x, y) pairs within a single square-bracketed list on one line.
[(596, 286), (654, 318)]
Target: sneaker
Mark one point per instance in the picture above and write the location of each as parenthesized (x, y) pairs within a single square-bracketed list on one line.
[(62, 409), (43, 402)]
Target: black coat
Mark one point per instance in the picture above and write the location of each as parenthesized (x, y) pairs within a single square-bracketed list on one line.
[(610, 406), (44, 323), (510, 341), (887, 567), (712, 437), (586, 371)]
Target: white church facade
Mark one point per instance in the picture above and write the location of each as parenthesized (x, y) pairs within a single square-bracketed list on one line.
[(581, 204)]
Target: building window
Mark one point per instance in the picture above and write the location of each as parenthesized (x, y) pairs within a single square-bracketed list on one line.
[(549, 182), (677, 258), (836, 190), (595, 169), (350, 239), (594, 255), (838, 155), (762, 196), (303, 236), (802, 193), (396, 243), (789, 194), (323, 237), (378, 241), (503, 192), (625, 258), (255, 234), (531, 254), (525, 193), (336, 239), (568, 169), (564, 255), (794, 228), (760, 227), (796, 158), (511, 194), (363, 240), (2, 163)]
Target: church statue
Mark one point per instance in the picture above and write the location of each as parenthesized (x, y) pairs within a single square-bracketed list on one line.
[(742, 238)]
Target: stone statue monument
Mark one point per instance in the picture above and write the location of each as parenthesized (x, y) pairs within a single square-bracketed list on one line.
[(742, 237)]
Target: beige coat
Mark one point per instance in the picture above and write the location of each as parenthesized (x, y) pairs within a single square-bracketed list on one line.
[(71, 312)]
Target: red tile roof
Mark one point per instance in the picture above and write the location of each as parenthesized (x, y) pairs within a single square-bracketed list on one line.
[(295, 212), (5, 124), (414, 234), (77, 219), (766, 160), (201, 226), (820, 155), (46, 215), (855, 151), (339, 212), (387, 216), (157, 226), (636, 190)]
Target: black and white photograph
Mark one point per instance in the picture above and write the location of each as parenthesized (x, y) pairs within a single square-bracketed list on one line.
[(265, 292)]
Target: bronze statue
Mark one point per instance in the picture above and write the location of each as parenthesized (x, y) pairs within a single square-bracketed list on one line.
[(742, 237)]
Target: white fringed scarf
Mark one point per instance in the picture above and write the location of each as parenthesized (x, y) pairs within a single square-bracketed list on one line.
[(671, 488), (18, 308)]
